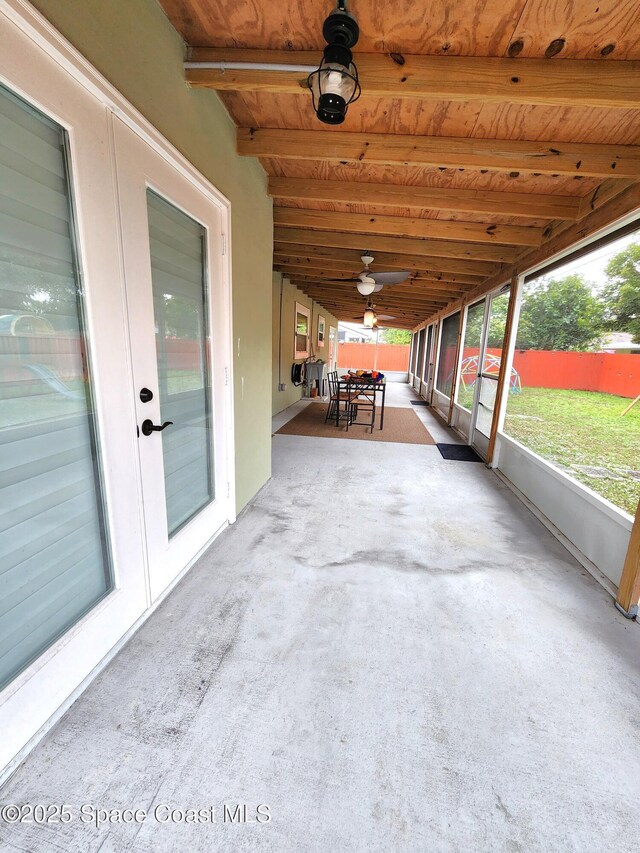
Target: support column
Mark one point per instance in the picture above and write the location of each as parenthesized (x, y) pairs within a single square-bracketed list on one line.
[(629, 588), (505, 365)]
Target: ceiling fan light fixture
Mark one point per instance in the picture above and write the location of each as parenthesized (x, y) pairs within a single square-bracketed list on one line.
[(366, 286), (334, 84), (369, 319)]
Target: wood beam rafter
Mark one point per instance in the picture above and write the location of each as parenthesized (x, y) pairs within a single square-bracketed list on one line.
[(525, 205), (396, 245), (417, 287), (497, 155), (327, 265), (563, 82), (401, 294), (328, 301), (386, 307), (415, 284), (417, 301), (437, 285), (401, 226)]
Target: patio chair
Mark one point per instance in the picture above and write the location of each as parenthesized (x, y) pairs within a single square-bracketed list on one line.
[(336, 397), (362, 400)]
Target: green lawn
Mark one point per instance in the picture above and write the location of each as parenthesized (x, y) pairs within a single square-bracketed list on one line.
[(573, 428)]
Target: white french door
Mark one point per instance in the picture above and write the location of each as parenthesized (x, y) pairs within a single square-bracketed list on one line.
[(114, 311), (179, 334)]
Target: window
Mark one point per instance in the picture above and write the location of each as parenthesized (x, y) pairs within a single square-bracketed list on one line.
[(447, 355), (576, 369), (54, 558), (301, 332), (321, 331)]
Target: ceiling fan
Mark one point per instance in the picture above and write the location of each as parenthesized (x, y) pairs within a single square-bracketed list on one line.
[(369, 282)]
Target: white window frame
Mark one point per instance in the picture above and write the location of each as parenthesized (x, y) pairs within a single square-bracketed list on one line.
[(298, 308)]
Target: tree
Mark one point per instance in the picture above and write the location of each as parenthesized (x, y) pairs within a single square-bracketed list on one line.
[(622, 291), (497, 322), (560, 314), (396, 336)]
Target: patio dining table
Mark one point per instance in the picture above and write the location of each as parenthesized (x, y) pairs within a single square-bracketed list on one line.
[(354, 387)]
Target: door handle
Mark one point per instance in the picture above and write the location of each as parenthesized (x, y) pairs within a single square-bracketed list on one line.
[(148, 426)]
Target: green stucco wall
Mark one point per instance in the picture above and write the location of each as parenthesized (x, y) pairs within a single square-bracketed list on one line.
[(133, 44), (291, 295)]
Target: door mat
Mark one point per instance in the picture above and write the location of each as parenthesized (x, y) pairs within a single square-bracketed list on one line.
[(419, 403), (458, 452), (401, 425)]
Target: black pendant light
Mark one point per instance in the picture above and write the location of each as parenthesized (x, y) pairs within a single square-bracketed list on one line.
[(334, 84)]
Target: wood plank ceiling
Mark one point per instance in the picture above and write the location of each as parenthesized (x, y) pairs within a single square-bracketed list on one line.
[(485, 132)]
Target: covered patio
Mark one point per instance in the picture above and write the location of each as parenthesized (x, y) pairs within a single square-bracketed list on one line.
[(382, 669), (215, 635)]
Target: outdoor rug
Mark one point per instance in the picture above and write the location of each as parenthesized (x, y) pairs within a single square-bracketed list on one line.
[(458, 452), (401, 425)]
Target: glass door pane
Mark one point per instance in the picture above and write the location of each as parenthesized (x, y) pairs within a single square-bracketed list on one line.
[(419, 358), (470, 364), (54, 558), (490, 368), (486, 403), (177, 244), (426, 372)]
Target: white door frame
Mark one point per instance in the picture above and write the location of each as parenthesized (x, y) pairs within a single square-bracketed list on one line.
[(139, 168)]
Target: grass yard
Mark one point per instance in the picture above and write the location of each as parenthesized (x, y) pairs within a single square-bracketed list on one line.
[(582, 428)]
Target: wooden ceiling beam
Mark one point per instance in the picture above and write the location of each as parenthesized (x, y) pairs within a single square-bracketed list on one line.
[(323, 258), (401, 226), (420, 291), (564, 82), (386, 296), (526, 205), (323, 296), (496, 155), (355, 312), (320, 268), (396, 245), (423, 284)]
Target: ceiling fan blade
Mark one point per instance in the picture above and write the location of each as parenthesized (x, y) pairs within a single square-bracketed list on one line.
[(386, 317), (341, 279), (390, 277)]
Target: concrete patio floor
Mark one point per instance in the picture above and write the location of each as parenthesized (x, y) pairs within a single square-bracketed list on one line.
[(389, 651)]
